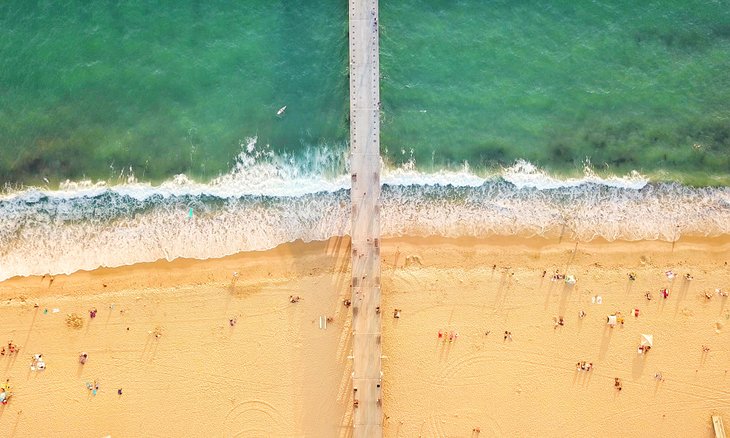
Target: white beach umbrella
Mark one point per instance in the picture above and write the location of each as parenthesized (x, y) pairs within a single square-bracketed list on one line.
[(647, 340)]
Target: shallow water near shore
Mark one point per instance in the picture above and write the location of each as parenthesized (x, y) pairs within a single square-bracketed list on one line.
[(85, 226)]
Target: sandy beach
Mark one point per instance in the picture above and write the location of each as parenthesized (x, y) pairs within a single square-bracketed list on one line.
[(163, 335)]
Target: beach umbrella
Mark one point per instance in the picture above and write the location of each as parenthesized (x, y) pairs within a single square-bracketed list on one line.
[(647, 340)]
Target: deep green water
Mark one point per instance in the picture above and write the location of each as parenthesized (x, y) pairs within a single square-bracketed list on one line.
[(88, 88), (91, 84)]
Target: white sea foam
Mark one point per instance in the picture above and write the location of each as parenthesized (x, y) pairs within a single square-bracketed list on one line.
[(268, 200), (258, 171), (526, 174)]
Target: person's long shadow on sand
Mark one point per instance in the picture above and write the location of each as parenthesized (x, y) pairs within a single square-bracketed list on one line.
[(581, 377), (80, 369), (445, 347), (564, 294), (639, 364), (500, 296), (723, 301), (682, 294), (549, 294), (605, 340), (629, 286), (579, 324)]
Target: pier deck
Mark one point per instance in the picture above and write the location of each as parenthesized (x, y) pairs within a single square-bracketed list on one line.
[(365, 194)]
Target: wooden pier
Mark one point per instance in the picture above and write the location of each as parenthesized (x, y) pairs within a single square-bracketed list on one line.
[(365, 195)]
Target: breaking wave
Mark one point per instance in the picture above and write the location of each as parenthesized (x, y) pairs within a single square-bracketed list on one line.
[(267, 200)]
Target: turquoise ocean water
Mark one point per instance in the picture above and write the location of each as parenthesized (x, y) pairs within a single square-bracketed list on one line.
[(148, 131)]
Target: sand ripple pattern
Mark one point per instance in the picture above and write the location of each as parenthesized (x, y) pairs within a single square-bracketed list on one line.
[(243, 416)]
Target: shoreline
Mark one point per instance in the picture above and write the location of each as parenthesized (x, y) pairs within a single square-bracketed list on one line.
[(180, 266)]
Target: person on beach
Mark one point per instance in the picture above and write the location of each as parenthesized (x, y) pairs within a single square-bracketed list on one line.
[(92, 313), (232, 321), (38, 363), (294, 298), (648, 296), (82, 358), (617, 383), (95, 387), (396, 313), (5, 393), (632, 276), (581, 314)]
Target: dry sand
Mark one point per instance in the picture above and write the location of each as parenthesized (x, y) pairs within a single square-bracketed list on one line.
[(276, 373)]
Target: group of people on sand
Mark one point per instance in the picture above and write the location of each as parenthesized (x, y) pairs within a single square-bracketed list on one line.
[(12, 349), (451, 335), (558, 321), (643, 349), (584, 366), (617, 383), (38, 363)]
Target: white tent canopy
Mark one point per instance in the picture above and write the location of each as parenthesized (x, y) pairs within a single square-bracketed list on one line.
[(611, 320), (647, 340)]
